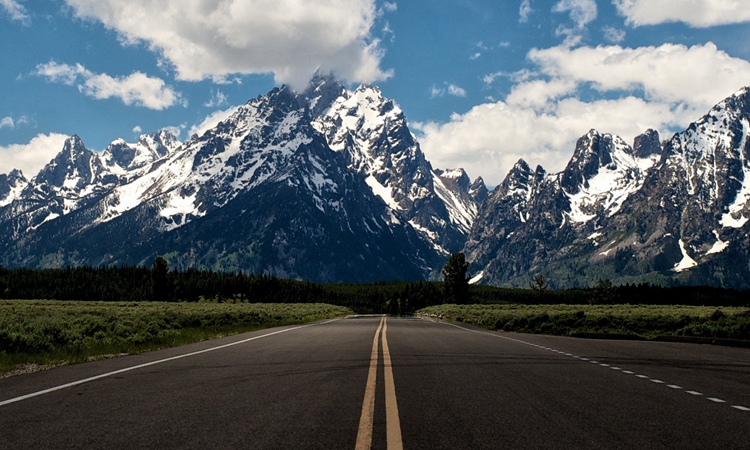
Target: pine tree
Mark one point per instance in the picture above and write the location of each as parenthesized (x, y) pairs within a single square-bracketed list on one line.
[(455, 281), (159, 286)]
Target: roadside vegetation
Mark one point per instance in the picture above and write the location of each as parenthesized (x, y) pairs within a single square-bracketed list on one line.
[(644, 321), (42, 333), (102, 311)]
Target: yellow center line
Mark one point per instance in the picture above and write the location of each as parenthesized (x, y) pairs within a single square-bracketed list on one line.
[(393, 424), (364, 435)]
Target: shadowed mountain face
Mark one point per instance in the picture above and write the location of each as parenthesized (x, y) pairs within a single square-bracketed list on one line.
[(326, 185), (670, 212)]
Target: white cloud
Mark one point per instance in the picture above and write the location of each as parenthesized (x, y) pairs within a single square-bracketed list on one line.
[(16, 11), (451, 89), (457, 91), (216, 38), (390, 6), (613, 35), (582, 12), (9, 122), (695, 13), (436, 91), (137, 129), (524, 11), (176, 130), (32, 157), (706, 74), (218, 99), (543, 115), (212, 120), (135, 89)]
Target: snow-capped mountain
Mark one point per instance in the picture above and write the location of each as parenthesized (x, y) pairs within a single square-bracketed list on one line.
[(262, 191), (372, 134), (11, 186), (671, 212)]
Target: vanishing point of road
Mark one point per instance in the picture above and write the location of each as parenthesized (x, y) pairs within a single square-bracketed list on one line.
[(389, 383)]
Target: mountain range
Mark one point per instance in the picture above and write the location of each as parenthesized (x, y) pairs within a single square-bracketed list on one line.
[(330, 185)]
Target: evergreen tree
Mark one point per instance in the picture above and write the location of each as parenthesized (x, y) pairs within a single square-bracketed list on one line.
[(455, 281), (159, 281)]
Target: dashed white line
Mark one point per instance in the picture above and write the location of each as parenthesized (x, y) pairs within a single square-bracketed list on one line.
[(653, 380)]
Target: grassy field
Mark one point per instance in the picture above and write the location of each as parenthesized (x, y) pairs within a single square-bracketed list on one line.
[(647, 321), (45, 332)]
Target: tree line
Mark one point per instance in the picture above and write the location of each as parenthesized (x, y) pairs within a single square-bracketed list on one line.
[(159, 283)]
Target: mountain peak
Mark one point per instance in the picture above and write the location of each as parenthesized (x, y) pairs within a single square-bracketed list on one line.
[(592, 152), (647, 144)]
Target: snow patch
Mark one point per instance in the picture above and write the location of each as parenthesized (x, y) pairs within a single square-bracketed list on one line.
[(687, 262), (734, 218), (475, 279), (719, 246), (382, 192)]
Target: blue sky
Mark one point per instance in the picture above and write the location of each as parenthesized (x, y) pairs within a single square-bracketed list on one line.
[(482, 82)]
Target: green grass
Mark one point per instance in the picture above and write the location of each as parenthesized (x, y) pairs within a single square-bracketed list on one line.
[(48, 332), (647, 321)]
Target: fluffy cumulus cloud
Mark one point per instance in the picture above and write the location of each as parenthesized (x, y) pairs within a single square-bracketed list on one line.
[(136, 89), (289, 38), (15, 11), (695, 13), (32, 157), (544, 113)]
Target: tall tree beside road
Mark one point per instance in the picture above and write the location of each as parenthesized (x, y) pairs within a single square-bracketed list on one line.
[(455, 281)]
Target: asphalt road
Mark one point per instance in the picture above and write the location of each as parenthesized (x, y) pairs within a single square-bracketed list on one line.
[(445, 387)]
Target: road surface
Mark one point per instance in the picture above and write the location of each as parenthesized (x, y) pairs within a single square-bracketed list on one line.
[(389, 384)]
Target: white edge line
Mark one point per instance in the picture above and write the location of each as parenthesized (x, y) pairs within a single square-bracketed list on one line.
[(151, 363)]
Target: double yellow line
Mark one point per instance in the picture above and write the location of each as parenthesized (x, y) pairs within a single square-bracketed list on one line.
[(393, 425)]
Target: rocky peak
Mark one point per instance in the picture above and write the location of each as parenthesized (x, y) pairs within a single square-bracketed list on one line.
[(592, 151), (11, 185), (647, 144), (73, 164), (455, 178), (322, 91), (478, 190)]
